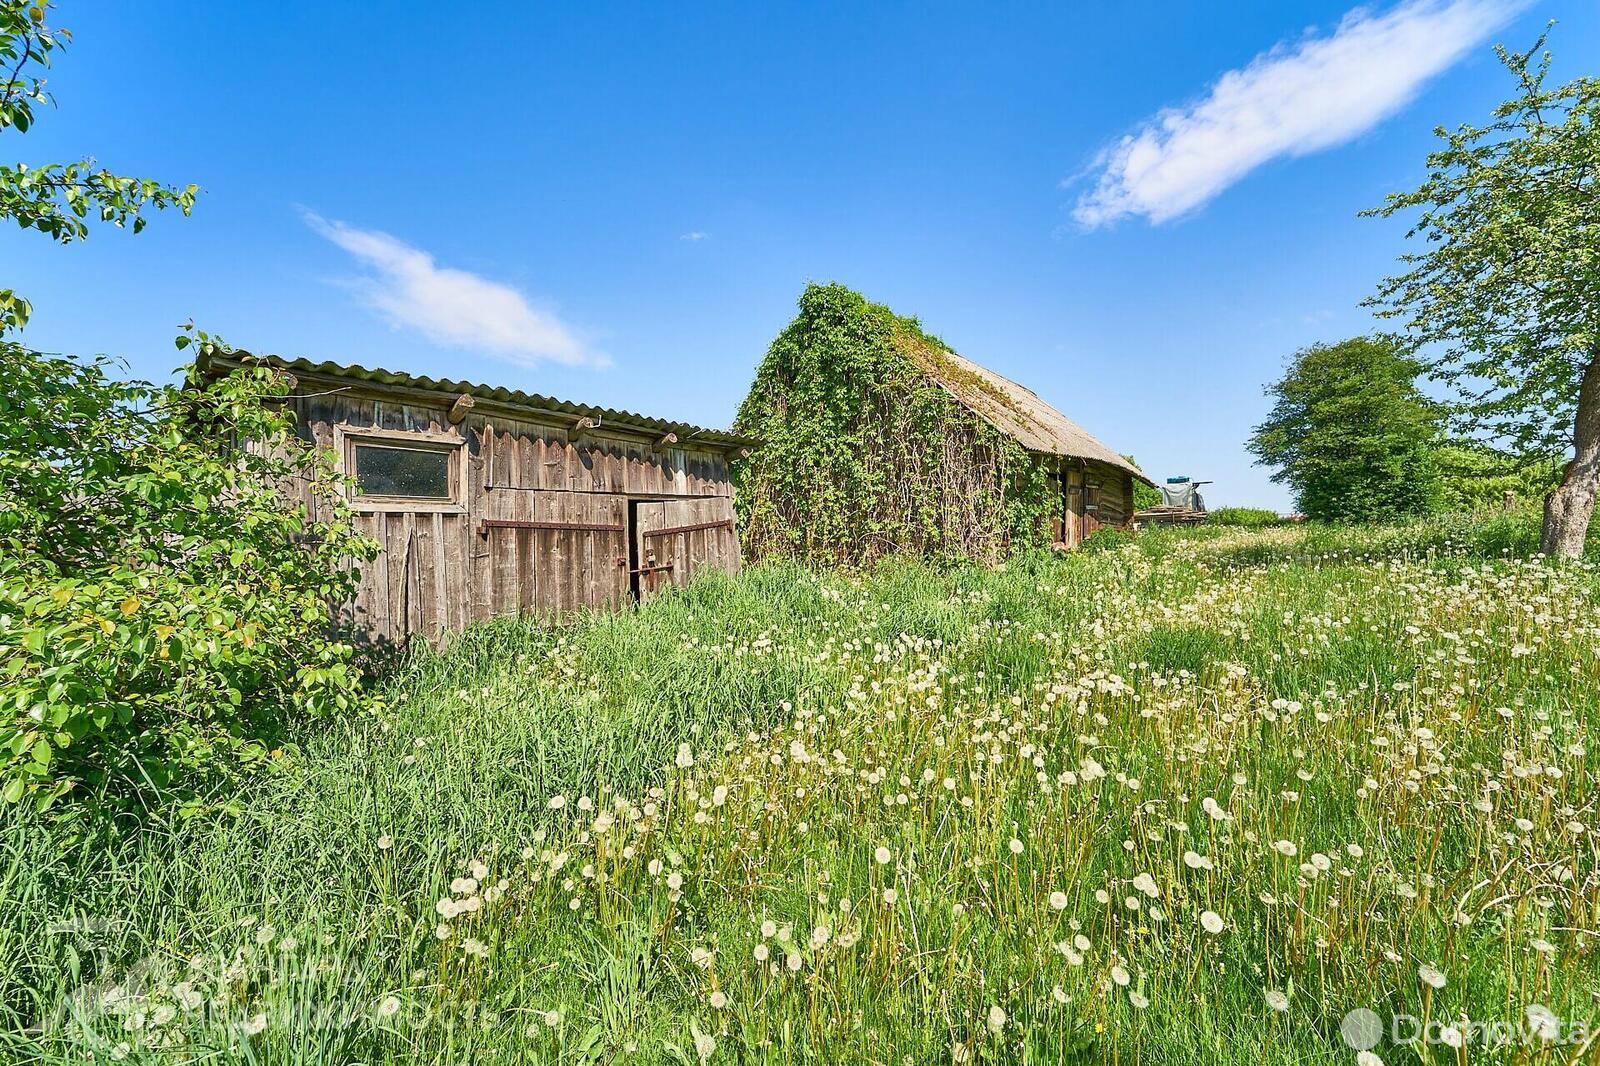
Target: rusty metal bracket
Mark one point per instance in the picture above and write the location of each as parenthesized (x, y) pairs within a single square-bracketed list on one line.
[(726, 523), (486, 524), (651, 569)]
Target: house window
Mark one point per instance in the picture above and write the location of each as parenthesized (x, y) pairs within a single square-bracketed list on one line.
[(417, 473), (396, 471)]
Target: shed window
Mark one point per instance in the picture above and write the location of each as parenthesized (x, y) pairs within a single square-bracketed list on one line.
[(410, 473)]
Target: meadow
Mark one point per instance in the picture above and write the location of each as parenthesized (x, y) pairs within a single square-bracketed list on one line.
[(1193, 797)]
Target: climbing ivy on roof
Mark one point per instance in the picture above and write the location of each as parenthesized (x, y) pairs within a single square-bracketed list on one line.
[(865, 454)]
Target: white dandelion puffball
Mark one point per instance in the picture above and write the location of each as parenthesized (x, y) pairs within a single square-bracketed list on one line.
[(997, 1018), (1211, 922), (1058, 901), (1277, 1000), (1431, 976), (881, 855)]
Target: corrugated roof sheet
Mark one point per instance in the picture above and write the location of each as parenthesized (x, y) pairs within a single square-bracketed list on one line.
[(533, 401), (1014, 409)]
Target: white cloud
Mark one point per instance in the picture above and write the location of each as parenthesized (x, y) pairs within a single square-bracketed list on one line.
[(451, 306), (1293, 100), (694, 235)]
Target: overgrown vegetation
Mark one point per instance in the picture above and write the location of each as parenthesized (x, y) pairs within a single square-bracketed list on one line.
[(1474, 476), (162, 602), (1246, 517), (1190, 799), (866, 455)]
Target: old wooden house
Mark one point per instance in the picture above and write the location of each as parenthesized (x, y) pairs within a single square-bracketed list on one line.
[(881, 439), (490, 501)]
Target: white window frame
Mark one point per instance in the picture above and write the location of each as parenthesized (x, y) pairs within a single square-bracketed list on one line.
[(453, 445)]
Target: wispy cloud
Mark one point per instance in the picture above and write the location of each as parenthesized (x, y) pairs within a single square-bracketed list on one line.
[(1296, 99), (693, 235), (451, 306)]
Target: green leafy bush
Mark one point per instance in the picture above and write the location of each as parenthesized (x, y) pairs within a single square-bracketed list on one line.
[(1144, 495), (1248, 517), (1476, 477), (164, 597)]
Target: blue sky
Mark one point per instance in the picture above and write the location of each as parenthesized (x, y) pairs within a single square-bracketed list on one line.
[(1140, 213)]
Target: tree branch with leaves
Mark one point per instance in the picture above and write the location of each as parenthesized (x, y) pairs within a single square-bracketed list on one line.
[(58, 199), (1504, 302)]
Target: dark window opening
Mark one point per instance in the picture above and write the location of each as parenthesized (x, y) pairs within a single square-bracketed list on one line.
[(415, 473)]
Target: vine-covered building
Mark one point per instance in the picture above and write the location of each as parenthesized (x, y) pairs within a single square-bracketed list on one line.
[(879, 439)]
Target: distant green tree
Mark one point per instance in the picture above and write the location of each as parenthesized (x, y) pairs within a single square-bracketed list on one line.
[(1504, 302), (1350, 433)]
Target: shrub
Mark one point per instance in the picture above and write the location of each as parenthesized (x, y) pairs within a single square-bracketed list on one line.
[(163, 601), (1476, 477), (1248, 517)]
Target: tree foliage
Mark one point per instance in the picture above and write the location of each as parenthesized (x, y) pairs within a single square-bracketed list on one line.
[(164, 598), (1350, 433), (58, 199), (1504, 302), (864, 454), (161, 603)]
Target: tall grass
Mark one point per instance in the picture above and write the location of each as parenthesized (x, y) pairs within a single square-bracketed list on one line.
[(900, 815)]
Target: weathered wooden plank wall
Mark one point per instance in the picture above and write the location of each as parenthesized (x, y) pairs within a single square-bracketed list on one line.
[(441, 569)]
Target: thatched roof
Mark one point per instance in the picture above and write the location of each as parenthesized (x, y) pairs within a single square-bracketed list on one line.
[(1013, 409)]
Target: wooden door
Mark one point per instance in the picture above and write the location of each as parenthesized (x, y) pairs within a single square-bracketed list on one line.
[(550, 553), (1074, 516), (675, 539), (1092, 519)]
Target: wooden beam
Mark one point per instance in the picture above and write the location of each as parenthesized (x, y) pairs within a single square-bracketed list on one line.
[(672, 531), (459, 409), (486, 524)]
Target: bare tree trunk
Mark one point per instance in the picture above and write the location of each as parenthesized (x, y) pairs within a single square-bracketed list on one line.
[(1569, 507)]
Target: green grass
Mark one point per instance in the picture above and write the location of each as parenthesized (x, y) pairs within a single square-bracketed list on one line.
[(1325, 687)]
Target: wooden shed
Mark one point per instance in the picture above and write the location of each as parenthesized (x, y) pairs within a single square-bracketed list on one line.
[(879, 438), (490, 501)]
